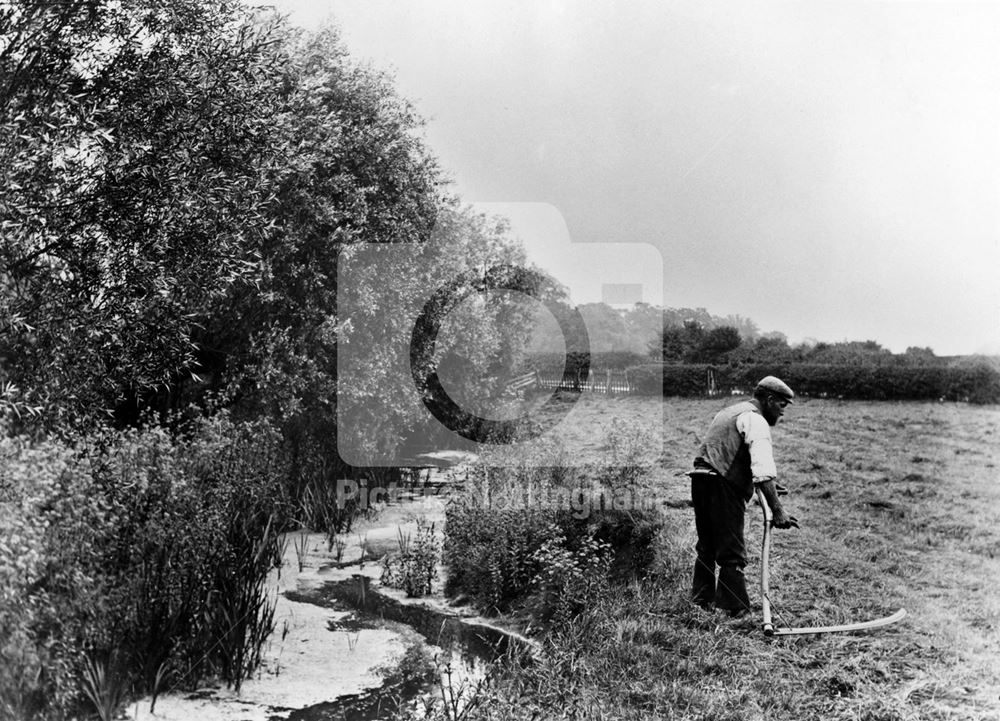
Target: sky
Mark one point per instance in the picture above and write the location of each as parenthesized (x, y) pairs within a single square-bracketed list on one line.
[(830, 170)]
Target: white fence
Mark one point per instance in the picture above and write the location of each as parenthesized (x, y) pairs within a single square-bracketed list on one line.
[(607, 381)]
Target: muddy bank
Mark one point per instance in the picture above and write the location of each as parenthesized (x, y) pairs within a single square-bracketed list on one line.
[(456, 650), (474, 637)]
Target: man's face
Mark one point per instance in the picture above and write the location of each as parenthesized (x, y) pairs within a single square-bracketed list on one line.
[(774, 409)]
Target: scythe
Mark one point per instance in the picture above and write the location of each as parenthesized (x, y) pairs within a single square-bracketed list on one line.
[(769, 629)]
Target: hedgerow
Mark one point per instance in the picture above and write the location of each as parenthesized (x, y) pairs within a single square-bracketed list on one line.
[(973, 384)]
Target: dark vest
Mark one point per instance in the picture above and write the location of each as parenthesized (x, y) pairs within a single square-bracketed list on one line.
[(724, 450)]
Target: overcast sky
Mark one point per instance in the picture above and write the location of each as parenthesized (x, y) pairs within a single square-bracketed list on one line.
[(829, 170)]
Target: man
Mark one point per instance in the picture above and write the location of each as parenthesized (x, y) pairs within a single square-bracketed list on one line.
[(734, 458)]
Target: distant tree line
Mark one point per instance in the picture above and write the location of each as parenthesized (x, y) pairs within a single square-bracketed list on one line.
[(694, 360), (636, 329), (690, 343)]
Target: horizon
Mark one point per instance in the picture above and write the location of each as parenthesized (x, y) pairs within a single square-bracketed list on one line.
[(807, 341)]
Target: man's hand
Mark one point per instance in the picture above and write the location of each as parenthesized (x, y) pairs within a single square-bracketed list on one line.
[(780, 519)]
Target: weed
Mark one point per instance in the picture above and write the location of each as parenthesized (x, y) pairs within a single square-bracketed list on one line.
[(498, 524), (104, 685), (630, 455), (159, 681), (337, 544), (414, 567), (455, 697), (568, 579), (363, 545), (458, 703), (301, 546), (279, 552)]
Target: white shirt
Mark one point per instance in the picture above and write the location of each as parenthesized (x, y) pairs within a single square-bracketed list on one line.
[(757, 435)]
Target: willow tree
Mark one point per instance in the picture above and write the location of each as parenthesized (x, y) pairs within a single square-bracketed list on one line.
[(136, 157)]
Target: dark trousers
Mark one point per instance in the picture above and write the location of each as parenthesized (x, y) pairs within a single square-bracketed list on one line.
[(719, 510)]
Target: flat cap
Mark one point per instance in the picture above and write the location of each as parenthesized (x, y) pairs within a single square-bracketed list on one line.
[(776, 386)]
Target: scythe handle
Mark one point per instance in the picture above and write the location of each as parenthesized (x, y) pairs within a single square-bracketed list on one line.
[(765, 555)]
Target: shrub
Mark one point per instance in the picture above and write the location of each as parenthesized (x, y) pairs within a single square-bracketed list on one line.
[(647, 379), (489, 552), (539, 537), (632, 537), (135, 559), (571, 575), (975, 384)]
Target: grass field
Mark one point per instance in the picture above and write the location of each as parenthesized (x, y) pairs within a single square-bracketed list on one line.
[(900, 507)]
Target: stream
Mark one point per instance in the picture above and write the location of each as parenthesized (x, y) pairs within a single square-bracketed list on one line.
[(346, 648)]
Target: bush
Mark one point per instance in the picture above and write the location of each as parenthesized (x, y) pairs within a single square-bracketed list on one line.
[(541, 538), (571, 576), (647, 379), (632, 537), (136, 560), (490, 552)]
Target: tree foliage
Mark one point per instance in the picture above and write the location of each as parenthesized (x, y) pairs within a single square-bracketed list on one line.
[(353, 170), (692, 343), (866, 352), (481, 330), (184, 178), (137, 146), (717, 343)]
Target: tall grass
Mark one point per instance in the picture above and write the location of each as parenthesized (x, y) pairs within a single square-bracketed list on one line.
[(141, 547)]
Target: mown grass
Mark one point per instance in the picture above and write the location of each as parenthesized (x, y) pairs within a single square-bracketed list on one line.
[(899, 506)]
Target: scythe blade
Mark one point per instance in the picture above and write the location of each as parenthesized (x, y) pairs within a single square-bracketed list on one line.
[(768, 625)]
